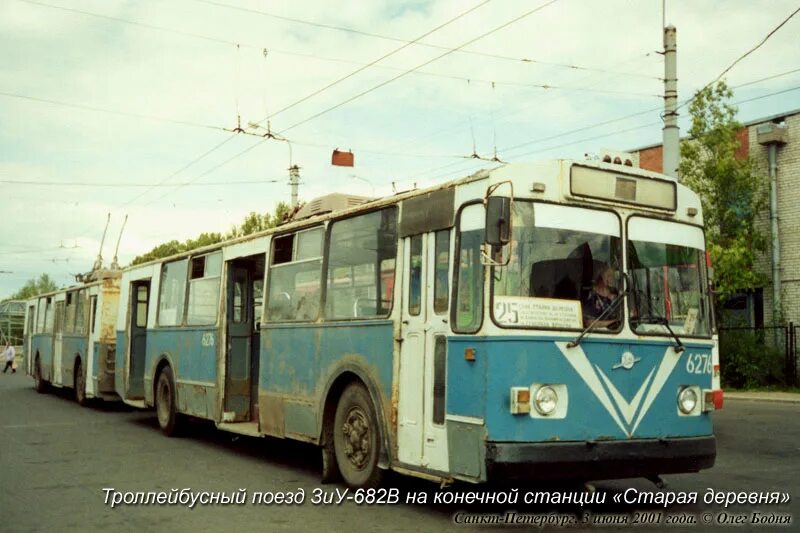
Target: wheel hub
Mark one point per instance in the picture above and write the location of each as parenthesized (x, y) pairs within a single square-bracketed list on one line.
[(357, 437)]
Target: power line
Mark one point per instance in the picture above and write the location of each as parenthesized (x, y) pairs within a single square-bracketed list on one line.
[(639, 113), (737, 60), (184, 167), (131, 22), (248, 149), (529, 103), (261, 47), (545, 86), (448, 52), (361, 69), (208, 171), (85, 107), (109, 184), (607, 122), (429, 45), (772, 77), (738, 102), (756, 47), (38, 251)]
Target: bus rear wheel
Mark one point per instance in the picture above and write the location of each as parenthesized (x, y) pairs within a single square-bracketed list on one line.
[(356, 438), (38, 382), (80, 385), (169, 420)]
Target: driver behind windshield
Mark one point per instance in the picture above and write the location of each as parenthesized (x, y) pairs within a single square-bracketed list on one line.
[(600, 298)]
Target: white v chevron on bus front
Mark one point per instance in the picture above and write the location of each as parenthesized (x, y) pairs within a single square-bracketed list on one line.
[(628, 410), (616, 404)]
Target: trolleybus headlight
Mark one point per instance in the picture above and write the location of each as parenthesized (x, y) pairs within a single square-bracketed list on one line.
[(687, 400), (545, 400)]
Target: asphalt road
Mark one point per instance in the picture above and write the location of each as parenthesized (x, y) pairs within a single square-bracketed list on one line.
[(56, 458)]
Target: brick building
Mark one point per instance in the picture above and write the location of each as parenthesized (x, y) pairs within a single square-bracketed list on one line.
[(783, 131)]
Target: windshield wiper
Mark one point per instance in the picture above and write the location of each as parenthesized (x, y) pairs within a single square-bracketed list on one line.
[(614, 305), (660, 320)]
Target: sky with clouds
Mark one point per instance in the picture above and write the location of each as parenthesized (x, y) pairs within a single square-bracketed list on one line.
[(131, 106)]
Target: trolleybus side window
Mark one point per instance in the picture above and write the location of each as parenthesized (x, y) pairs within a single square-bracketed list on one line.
[(361, 266), (141, 306), (441, 285), (172, 293), (93, 307), (204, 290), (295, 276), (48, 316), (467, 308), (40, 319), (238, 301), (415, 277), (258, 299), (80, 312), (69, 321)]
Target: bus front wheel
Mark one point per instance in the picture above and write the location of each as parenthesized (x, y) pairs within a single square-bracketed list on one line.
[(356, 438), (169, 420)]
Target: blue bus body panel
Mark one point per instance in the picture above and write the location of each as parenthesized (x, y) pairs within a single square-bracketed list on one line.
[(42, 343), (604, 403), (72, 346), (295, 359), (299, 361), (192, 353), (191, 357)]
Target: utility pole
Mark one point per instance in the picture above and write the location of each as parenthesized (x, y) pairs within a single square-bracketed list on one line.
[(671, 132), (294, 181)]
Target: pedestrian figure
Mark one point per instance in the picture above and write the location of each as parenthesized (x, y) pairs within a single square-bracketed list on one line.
[(8, 355)]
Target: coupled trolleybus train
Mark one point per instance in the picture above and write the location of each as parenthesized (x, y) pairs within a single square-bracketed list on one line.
[(543, 320)]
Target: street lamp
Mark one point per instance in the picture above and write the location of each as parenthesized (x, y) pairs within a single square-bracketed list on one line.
[(365, 181)]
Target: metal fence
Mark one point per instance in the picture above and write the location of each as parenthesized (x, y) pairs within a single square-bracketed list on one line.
[(11, 328), (760, 356)]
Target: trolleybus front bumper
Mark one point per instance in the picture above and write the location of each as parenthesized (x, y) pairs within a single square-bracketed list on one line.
[(599, 459)]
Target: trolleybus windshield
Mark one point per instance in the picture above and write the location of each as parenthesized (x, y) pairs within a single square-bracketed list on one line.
[(666, 267), (563, 269)]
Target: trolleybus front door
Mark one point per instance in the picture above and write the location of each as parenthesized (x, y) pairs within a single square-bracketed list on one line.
[(421, 441), (30, 325), (58, 338), (140, 291), (238, 382)]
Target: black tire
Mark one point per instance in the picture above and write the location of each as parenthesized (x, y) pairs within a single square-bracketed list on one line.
[(169, 420), (330, 469), (80, 384), (357, 438), (38, 382)]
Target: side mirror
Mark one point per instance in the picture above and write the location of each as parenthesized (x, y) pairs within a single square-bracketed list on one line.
[(498, 220)]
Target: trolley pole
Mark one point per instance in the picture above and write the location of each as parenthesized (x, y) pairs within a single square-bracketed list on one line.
[(671, 132)]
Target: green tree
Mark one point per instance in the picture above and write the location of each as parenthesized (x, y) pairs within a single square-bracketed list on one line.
[(252, 223), (731, 192), (255, 222), (34, 286)]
